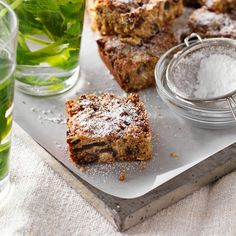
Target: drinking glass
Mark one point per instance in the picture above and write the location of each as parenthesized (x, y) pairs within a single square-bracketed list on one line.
[(8, 32), (48, 44)]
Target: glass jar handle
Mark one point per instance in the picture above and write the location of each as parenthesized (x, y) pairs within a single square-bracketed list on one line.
[(191, 36)]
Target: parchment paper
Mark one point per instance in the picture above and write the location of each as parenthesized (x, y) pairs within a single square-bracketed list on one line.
[(44, 119)]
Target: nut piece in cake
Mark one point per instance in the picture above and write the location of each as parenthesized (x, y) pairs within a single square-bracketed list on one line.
[(107, 128), (211, 24), (133, 18), (133, 65)]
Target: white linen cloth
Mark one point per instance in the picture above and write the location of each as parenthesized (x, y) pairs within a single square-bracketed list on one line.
[(41, 203)]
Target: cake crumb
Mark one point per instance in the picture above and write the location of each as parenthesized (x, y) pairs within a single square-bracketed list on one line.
[(83, 169), (173, 154), (122, 176)]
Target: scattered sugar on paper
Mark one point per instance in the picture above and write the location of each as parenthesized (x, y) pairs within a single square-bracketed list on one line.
[(216, 77), (50, 116), (110, 172)]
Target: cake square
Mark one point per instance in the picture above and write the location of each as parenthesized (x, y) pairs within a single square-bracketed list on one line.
[(210, 24), (133, 18), (106, 128), (133, 65)]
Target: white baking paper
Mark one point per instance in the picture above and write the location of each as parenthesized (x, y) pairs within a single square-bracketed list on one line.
[(44, 119)]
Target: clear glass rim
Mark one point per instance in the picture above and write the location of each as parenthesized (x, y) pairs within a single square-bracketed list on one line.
[(14, 26)]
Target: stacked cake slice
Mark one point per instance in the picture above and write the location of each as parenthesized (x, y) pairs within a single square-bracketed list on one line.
[(216, 18), (133, 18), (133, 65), (136, 33), (210, 24)]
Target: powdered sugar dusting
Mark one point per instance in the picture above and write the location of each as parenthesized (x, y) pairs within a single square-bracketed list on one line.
[(107, 115), (106, 170), (183, 76), (216, 77), (125, 6)]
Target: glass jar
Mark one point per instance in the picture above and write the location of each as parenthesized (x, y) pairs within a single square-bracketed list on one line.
[(208, 114), (48, 44)]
